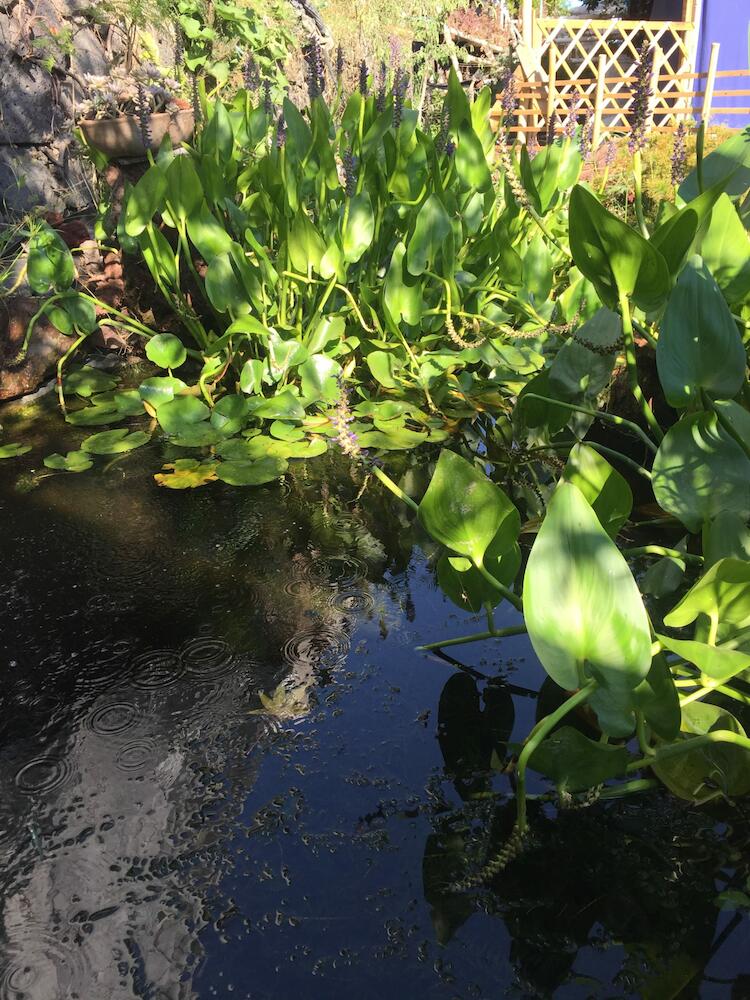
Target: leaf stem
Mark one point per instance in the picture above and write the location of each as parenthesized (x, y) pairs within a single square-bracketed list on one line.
[(660, 550), (507, 594), (630, 361), (499, 633), (546, 726), (685, 746), (601, 414), (396, 490)]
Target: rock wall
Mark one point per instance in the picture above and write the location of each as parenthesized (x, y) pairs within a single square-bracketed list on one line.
[(45, 48)]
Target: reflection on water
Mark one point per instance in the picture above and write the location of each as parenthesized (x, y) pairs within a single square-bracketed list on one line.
[(166, 832)]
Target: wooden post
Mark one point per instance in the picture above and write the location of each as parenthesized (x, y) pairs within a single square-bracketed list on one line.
[(551, 96), (601, 71), (527, 22), (708, 97)]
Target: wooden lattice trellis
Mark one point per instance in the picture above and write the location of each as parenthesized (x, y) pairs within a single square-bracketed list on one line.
[(578, 51)]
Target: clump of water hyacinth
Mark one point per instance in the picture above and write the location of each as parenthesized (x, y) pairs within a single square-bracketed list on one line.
[(679, 155), (641, 99)]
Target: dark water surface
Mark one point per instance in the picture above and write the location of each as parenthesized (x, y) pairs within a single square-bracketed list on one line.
[(164, 834)]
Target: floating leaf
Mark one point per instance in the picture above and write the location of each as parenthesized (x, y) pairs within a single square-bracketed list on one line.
[(384, 365), (265, 470), (186, 474), (86, 381), (166, 351), (13, 450), (160, 389), (464, 511), (705, 773), (177, 414), (114, 442), (582, 607), (574, 762), (74, 461)]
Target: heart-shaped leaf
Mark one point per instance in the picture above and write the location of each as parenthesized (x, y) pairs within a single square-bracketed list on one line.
[(74, 461), (166, 351), (265, 470), (602, 486), (582, 607), (574, 762), (464, 511), (115, 442)]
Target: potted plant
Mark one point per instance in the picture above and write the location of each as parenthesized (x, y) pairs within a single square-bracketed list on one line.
[(130, 113)]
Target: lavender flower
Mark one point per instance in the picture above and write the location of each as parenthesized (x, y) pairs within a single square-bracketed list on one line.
[(363, 77), (610, 154), (315, 77), (195, 98), (267, 102), (400, 85), (586, 135), (341, 419), (350, 173), (641, 107), (250, 74), (441, 138), (339, 62), (179, 46), (509, 98), (450, 148), (679, 155), (571, 121), (380, 99), (143, 107)]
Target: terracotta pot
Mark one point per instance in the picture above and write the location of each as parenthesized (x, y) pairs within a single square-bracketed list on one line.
[(121, 137)]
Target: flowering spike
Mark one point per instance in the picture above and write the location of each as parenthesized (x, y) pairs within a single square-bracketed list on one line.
[(641, 106), (363, 77), (144, 114), (679, 155)]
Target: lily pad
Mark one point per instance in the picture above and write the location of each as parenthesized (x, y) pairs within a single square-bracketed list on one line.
[(74, 461), (186, 474), (166, 351), (265, 470), (114, 442), (86, 381), (13, 450)]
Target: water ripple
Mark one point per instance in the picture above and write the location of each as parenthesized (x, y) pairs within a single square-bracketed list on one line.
[(43, 774), (40, 965), (112, 719), (157, 668), (207, 657), (317, 645)]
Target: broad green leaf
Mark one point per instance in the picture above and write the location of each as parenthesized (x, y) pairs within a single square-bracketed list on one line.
[(49, 264), (398, 438), (681, 231), (115, 442), (663, 576), (729, 163), (187, 474), (177, 414), (230, 414), (537, 269), (13, 450), (724, 591), (615, 258), (223, 286), (583, 610), (319, 375), (726, 535), (184, 193), (401, 291), (726, 250), (575, 763), (471, 163), (306, 246), (145, 200), (197, 435), (716, 663), (464, 511), (699, 345), (265, 470), (604, 488), (160, 389), (74, 461), (251, 376), (700, 471), (359, 228), (73, 313), (705, 773), (283, 354), (86, 381), (384, 365), (208, 235), (431, 231), (657, 697), (465, 585), (283, 406), (166, 351)]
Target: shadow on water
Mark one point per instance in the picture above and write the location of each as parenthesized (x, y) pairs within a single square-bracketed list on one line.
[(166, 832)]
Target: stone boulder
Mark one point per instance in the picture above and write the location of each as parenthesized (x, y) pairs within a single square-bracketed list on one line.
[(46, 348)]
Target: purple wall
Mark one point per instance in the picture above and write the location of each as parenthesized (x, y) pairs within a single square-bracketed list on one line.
[(727, 22)]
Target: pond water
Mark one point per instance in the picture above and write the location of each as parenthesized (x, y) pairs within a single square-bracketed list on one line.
[(166, 833)]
